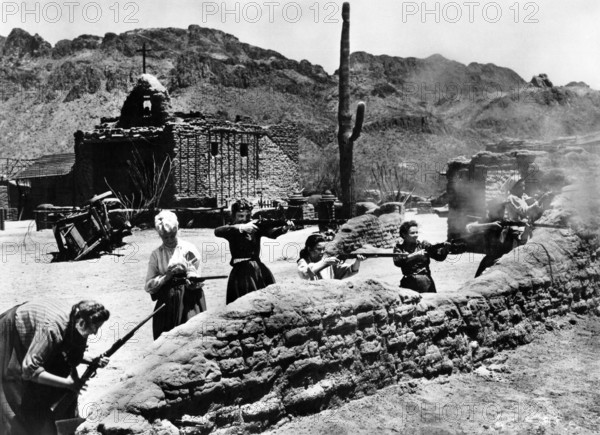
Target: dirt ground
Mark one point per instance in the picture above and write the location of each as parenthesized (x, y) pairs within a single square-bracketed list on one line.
[(549, 386)]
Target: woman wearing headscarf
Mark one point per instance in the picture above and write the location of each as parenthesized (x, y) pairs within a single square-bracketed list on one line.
[(171, 269), (249, 273), (41, 344), (313, 265)]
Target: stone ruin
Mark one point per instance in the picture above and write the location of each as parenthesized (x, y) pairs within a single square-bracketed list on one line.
[(201, 160)]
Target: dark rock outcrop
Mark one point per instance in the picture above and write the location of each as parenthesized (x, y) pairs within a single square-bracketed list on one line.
[(541, 81), (20, 43)]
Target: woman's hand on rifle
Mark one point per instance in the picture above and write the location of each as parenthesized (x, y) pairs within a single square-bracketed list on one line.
[(249, 228), (192, 281), (75, 385), (98, 361), (101, 361)]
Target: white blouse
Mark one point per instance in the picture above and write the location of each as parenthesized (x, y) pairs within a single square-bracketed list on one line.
[(162, 258)]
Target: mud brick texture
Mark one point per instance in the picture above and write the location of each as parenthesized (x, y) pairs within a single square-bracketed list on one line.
[(379, 232), (301, 347)]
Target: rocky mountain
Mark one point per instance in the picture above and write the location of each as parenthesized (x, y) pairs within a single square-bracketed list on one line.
[(418, 110)]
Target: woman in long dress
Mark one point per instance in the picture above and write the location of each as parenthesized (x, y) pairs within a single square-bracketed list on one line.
[(172, 270), (41, 344), (249, 273)]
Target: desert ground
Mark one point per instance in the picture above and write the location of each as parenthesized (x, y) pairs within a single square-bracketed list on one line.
[(551, 385)]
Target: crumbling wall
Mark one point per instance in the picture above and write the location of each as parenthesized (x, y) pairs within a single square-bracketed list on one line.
[(301, 347), (279, 175), (380, 232)]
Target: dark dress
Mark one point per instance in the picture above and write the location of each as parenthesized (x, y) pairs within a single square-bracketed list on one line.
[(182, 302), (417, 275), (35, 337), (249, 273)]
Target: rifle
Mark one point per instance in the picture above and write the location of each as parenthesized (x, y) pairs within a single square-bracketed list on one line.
[(196, 279), (60, 407), (274, 223), (365, 254), (507, 223), (282, 222), (319, 221), (454, 246)]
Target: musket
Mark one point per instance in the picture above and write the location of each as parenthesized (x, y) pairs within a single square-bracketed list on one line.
[(284, 222), (195, 279), (507, 223), (61, 406), (454, 246), (365, 254), (206, 278), (319, 221)]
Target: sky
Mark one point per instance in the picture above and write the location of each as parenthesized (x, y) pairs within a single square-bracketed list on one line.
[(557, 37)]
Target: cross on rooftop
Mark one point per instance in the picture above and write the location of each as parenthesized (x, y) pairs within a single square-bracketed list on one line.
[(144, 50)]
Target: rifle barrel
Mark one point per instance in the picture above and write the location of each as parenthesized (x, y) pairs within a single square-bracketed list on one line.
[(368, 254), (507, 223), (549, 226), (318, 221), (120, 342), (207, 278)]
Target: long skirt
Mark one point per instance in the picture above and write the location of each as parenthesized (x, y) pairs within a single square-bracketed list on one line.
[(421, 283), (246, 277), (182, 304), (25, 405)]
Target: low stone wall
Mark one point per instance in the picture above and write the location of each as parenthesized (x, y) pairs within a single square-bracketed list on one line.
[(299, 348), (380, 232)]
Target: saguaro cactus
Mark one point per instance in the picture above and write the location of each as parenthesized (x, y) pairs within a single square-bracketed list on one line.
[(346, 134)]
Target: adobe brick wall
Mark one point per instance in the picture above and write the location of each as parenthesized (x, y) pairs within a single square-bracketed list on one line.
[(103, 155), (197, 174), (380, 232)]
